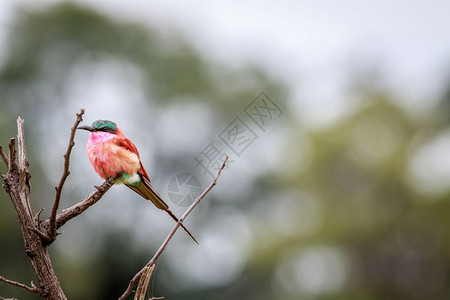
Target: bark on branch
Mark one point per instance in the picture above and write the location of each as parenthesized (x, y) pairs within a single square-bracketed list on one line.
[(38, 235), (17, 184)]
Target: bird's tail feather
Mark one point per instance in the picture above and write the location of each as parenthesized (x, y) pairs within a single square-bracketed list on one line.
[(146, 190)]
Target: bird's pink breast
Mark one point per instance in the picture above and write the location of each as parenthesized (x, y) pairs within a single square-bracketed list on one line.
[(107, 158)]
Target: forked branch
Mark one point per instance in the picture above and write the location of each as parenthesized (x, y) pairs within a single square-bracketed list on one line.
[(71, 212), (17, 184), (36, 234)]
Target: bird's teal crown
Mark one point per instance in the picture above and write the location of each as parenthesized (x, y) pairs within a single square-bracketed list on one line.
[(105, 125)]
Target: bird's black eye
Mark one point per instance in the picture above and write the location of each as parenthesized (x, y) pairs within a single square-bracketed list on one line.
[(107, 129)]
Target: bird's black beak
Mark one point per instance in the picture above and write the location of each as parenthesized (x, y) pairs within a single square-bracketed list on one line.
[(88, 128)]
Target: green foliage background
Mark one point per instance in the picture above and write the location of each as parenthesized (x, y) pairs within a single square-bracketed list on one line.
[(331, 213)]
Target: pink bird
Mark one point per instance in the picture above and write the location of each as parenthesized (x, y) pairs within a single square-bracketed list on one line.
[(113, 155)]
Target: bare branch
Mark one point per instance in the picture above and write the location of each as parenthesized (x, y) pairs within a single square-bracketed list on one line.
[(1, 298), (22, 159), (17, 184), (171, 234), (12, 154), (44, 236), (66, 172), (22, 163), (4, 157), (32, 289), (69, 213), (37, 218), (143, 283)]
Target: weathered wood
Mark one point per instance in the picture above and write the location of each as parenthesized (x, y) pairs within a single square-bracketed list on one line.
[(18, 185)]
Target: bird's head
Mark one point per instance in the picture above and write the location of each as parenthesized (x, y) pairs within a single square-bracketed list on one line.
[(101, 126)]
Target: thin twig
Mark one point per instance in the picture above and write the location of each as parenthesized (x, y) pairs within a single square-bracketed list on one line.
[(22, 154), (5, 160), (33, 289), (22, 164), (66, 172), (171, 234), (12, 154), (4, 157), (37, 218), (1, 298), (69, 213)]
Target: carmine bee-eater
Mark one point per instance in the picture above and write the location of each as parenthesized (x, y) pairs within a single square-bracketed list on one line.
[(113, 155)]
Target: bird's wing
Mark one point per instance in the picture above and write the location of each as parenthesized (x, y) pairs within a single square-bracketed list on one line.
[(127, 144), (145, 188)]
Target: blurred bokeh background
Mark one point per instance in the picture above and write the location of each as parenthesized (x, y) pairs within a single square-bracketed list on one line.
[(342, 193)]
